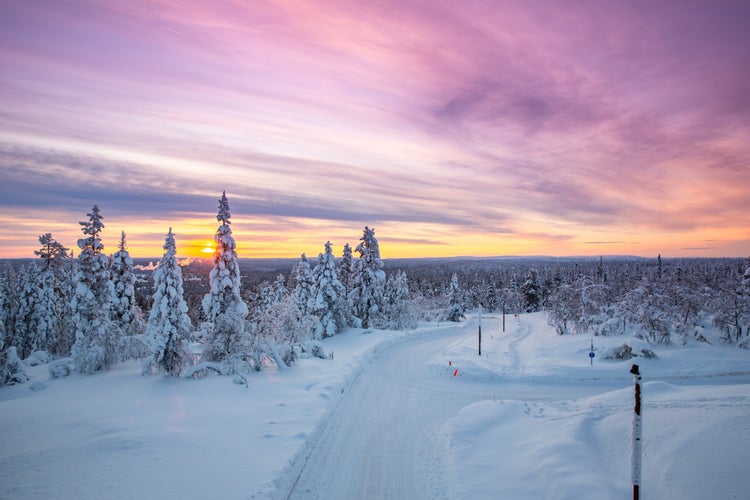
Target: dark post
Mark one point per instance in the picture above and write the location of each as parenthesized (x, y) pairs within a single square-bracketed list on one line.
[(503, 316), (480, 329), (635, 459)]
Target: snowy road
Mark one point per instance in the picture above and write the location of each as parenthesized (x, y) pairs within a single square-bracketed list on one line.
[(388, 437)]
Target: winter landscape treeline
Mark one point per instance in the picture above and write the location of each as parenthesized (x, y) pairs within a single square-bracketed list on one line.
[(234, 316)]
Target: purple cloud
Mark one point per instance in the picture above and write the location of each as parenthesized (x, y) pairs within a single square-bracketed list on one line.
[(538, 120)]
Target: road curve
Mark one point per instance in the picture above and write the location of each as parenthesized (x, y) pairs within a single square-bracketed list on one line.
[(388, 436)]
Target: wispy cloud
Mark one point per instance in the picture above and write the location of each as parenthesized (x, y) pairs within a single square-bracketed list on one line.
[(532, 127)]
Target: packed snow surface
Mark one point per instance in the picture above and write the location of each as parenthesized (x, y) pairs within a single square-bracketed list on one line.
[(408, 415)]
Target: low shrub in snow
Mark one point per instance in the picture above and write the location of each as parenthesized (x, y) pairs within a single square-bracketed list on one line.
[(134, 347), (315, 349), (202, 370), (37, 358), (13, 369), (60, 368), (632, 348)]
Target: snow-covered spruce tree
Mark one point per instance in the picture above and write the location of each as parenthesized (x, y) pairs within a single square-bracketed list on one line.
[(303, 284), (327, 296), (53, 297), (8, 302), (224, 308), (66, 284), (96, 336), (456, 301), (744, 300), (168, 323), (531, 292), (125, 311), (25, 332), (346, 268), (269, 294), (491, 298), (368, 281), (279, 288), (398, 308), (264, 299), (47, 304), (36, 313)]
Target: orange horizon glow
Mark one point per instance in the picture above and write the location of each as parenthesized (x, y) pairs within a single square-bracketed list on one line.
[(396, 241)]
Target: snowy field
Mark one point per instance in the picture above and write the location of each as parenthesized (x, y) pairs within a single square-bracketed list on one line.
[(392, 415)]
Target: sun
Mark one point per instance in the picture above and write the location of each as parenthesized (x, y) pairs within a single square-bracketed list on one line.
[(208, 249)]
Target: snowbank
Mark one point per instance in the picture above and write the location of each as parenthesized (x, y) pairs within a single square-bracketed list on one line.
[(695, 437), (695, 442), (118, 434)]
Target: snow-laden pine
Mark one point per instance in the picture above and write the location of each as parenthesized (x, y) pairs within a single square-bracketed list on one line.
[(327, 296), (368, 280), (8, 303), (26, 334), (65, 331), (346, 277), (456, 308), (168, 323), (125, 311), (531, 291), (51, 303), (52, 253), (743, 293), (223, 305), (303, 284), (398, 308), (96, 336)]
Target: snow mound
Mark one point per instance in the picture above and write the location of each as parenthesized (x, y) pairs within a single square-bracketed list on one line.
[(37, 386)]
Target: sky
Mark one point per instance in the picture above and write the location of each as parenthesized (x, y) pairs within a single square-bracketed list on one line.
[(472, 128)]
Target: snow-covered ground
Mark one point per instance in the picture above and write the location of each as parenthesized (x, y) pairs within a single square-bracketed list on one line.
[(387, 418), (696, 419)]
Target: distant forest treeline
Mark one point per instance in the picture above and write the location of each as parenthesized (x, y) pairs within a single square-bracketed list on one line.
[(235, 316), (701, 287)]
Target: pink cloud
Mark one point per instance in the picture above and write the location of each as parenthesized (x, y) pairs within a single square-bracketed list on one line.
[(607, 116)]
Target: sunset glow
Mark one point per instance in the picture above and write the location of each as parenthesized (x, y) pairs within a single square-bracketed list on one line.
[(454, 128)]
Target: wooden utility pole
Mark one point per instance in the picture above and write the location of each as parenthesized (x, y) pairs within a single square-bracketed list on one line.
[(635, 459)]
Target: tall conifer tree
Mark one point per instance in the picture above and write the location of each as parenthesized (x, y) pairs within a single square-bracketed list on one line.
[(168, 323), (456, 300), (96, 336), (125, 310), (327, 297), (368, 280), (225, 310)]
